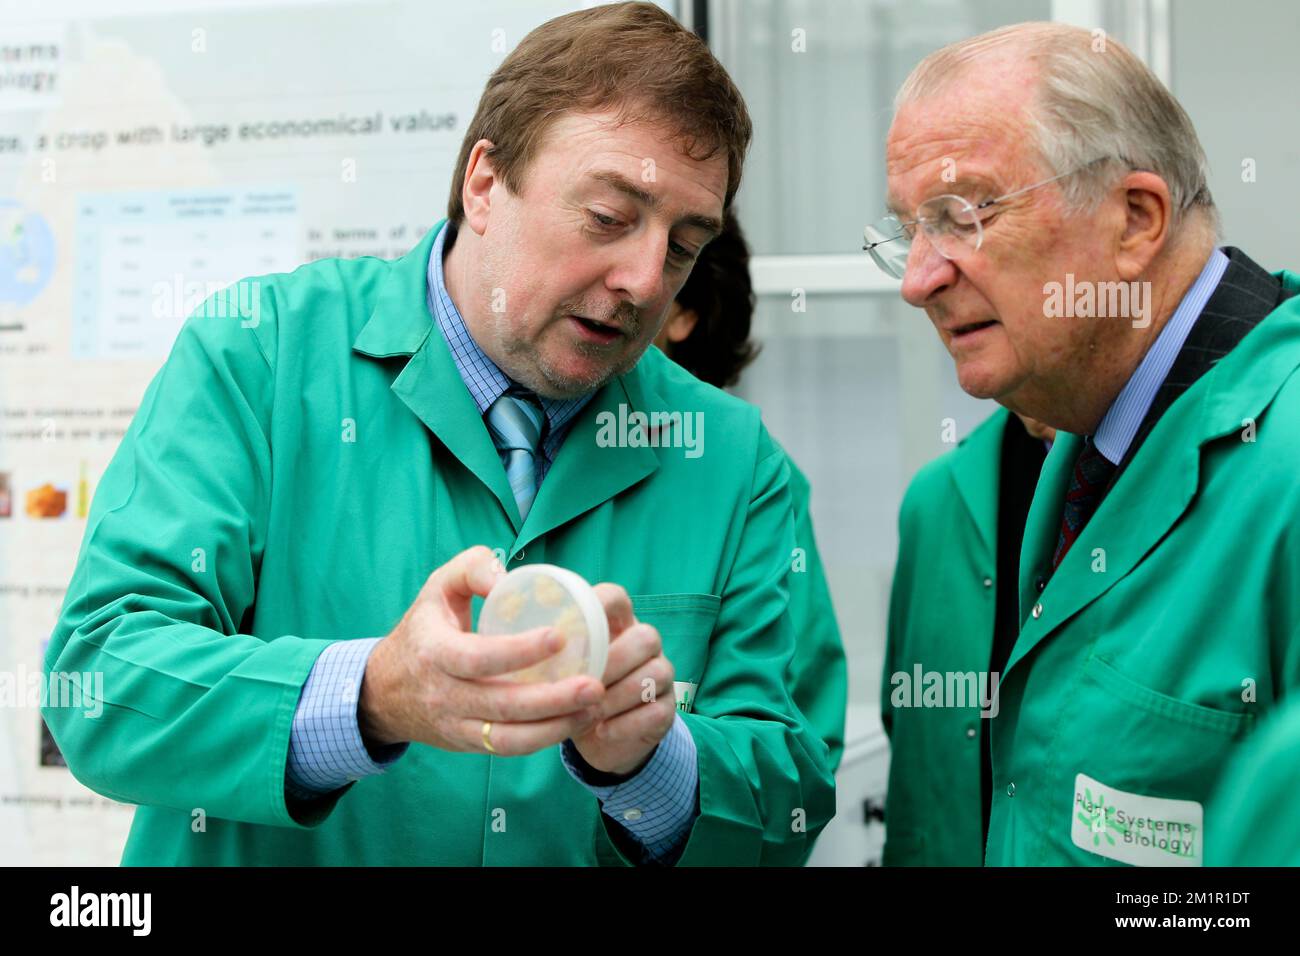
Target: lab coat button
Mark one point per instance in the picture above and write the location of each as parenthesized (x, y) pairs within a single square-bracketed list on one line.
[(988, 582), (1011, 790), (970, 733), (1038, 610), (633, 814), (518, 555)]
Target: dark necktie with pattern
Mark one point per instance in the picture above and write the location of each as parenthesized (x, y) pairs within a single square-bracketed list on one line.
[(1092, 472)]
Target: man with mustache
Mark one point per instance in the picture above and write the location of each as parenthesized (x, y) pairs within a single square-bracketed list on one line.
[(280, 662)]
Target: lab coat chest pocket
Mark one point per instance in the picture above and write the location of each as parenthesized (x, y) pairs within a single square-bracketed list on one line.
[(1144, 741), (1139, 764), (685, 623)]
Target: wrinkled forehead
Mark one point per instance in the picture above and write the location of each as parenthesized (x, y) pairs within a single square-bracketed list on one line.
[(963, 135), (644, 141)]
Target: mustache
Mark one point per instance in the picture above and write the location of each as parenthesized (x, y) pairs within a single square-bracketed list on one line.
[(625, 315)]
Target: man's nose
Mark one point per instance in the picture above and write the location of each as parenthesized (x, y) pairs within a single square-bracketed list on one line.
[(926, 273), (639, 271)]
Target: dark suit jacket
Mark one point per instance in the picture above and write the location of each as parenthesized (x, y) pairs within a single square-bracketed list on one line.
[(1243, 297)]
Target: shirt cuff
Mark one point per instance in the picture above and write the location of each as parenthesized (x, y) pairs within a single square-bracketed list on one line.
[(658, 805), (326, 749)]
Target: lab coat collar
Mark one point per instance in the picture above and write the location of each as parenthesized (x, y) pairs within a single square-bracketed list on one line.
[(400, 322), (586, 474), (583, 474), (1159, 485), (975, 467)]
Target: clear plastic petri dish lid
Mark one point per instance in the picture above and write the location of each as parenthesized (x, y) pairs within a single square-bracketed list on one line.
[(538, 595)]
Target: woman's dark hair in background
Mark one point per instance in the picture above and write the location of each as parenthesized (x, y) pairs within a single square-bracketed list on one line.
[(721, 295)]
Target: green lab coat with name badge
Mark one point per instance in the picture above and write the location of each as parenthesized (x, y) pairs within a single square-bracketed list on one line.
[(941, 618), (292, 478), (1168, 630)]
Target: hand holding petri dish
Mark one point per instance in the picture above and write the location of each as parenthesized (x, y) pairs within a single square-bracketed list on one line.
[(540, 595)]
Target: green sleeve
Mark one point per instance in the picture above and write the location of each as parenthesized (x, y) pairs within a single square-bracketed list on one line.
[(766, 789), (196, 712), (1251, 820), (818, 672)]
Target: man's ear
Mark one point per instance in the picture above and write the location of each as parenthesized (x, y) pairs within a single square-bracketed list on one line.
[(476, 191), (1148, 212), (680, 324)]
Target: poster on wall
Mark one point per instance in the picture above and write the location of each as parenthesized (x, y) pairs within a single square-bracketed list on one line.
[(148, 159)]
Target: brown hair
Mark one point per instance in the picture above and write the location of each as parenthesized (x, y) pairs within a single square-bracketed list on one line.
[(632, 56)]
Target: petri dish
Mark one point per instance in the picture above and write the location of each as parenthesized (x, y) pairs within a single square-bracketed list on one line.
[(537, 595)]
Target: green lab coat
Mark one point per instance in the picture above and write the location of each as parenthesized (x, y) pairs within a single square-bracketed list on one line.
[(819, 657), (1168, 628), (281, 487), (1255, 804), (941, 617)]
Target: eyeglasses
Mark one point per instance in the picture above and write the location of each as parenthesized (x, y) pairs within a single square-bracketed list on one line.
[(954, 226)]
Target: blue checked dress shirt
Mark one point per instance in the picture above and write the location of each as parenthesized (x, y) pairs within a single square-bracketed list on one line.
[(656, 807), (1124, 417)]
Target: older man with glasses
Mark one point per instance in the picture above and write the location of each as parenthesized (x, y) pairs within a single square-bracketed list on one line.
[(1159, 577)]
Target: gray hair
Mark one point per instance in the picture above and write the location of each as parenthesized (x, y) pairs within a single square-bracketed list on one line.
[(1091, 105)]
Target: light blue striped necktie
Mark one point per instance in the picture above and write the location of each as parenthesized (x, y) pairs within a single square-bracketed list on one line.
[(516, 423)]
